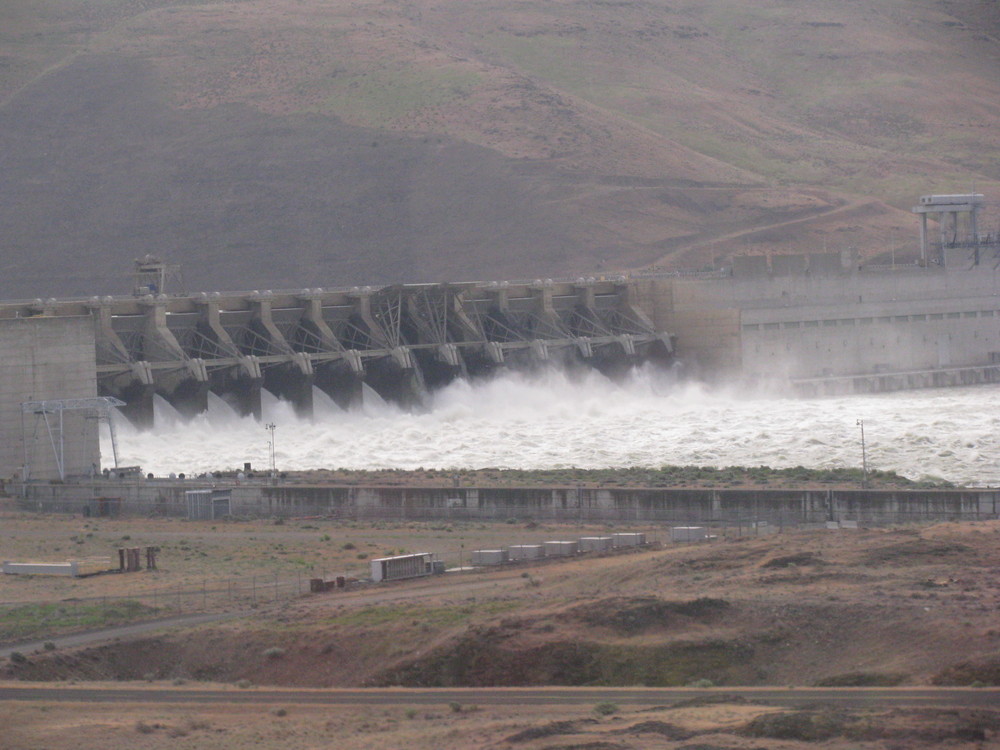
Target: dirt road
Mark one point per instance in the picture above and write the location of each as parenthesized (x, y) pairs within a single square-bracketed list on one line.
[(790, 697)]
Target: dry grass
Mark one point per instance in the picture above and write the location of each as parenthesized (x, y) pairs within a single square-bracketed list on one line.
[(913, 605), (294, 727), (672, 134), (197, 553), (869, 607)]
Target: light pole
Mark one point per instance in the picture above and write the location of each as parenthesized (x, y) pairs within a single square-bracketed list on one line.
[(270, 428), (864, 455)]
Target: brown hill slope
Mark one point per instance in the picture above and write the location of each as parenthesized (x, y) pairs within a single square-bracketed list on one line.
[(878, 607), (286, 143)]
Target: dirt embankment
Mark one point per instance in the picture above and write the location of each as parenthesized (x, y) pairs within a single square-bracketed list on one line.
[(819, 608)]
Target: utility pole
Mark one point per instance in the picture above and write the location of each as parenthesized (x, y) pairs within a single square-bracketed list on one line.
[(270, 428), (864, 456)]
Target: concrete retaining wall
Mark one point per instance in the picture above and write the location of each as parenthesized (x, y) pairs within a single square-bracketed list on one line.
[(680, 506)]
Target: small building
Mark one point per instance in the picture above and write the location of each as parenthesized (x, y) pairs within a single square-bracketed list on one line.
[(628, 539), (526, 551), (561, 549), (489, 556), (595, 543), (402, 566)]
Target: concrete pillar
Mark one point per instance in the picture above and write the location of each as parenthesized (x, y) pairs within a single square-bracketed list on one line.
[(239, 384), (941, 235), (184, 386), (292, 379), (551, 325), (923, 239)]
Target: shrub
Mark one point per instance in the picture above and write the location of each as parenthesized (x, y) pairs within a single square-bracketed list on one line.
[(349, 545), (17, 657), (275, 652), (244, 684), (49, 646), (606, 709), (805, 726), (455, 707)]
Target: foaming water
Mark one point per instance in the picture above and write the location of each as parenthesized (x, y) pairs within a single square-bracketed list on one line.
[(553, 419)]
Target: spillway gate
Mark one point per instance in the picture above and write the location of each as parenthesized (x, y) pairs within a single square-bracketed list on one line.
[(399, 340)]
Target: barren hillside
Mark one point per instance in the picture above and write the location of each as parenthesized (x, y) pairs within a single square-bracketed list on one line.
[(284, 143), (902, 606)]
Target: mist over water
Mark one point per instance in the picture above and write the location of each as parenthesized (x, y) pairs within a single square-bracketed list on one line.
[(554, 419)]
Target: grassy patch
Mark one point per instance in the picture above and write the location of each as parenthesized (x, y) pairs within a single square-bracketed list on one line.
[(805, 726), (377, 98), (479, 660), (863, 679), (40, 620), (424, 616)]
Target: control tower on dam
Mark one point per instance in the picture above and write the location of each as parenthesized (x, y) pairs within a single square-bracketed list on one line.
[(398, 340)]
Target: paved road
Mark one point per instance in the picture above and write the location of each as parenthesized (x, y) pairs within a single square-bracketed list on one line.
[(789, 697)]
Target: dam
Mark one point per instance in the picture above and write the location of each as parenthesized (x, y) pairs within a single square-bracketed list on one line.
[(819, 323), (399, 341)]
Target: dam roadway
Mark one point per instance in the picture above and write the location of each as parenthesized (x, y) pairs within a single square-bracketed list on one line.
[(791, 697)]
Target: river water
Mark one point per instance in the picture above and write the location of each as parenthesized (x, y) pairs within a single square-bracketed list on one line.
[(554, 419)]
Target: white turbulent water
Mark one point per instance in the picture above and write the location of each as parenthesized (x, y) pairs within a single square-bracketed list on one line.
[(555, 420)]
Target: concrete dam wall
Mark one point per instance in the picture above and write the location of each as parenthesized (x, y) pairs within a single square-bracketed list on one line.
[(567, 504), (825, 324), (399, 340)]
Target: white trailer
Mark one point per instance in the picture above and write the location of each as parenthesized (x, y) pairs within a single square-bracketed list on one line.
[(489, 556), (595, 543), (402, 566), (628, 539), (526, 551), (688, 534), (561, 549)]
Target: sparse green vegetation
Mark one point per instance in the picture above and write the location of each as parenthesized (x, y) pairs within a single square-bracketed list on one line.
[(378, 97), (664, 476), (807, 726), (433, 616), (36, 620), (863, 679)]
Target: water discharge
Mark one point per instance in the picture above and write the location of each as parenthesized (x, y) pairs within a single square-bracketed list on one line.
[(555, 419)]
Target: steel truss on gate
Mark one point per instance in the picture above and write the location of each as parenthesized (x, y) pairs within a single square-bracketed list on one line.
[(100, 405)]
